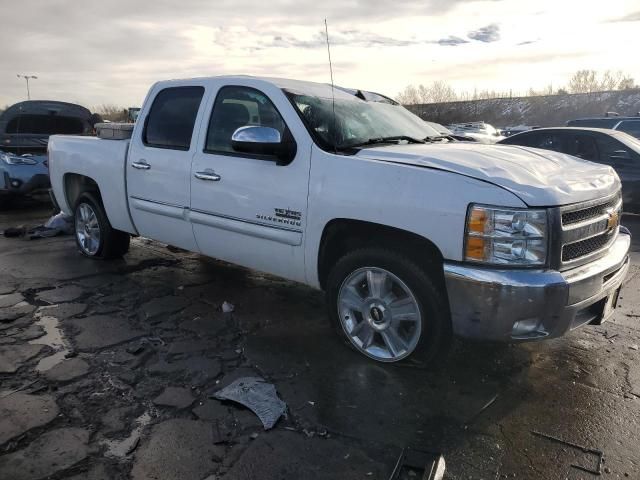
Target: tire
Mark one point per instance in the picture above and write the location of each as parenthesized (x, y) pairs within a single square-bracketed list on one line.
[(94, 235), (387, 307)]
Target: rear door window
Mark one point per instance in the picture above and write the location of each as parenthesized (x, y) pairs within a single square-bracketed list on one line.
[(612, 151), (172, 117), (583, 146)]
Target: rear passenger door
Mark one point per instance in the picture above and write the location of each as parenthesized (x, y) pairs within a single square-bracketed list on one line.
[(626, 162), (159, 164)]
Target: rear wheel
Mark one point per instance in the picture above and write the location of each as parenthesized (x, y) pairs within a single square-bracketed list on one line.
[(387, 306), (95, 237)]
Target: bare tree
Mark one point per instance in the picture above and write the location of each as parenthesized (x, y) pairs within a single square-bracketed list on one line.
[(582, 81), (436, 92), (589, 81), (441, 92), (409, 96), (113, 113)]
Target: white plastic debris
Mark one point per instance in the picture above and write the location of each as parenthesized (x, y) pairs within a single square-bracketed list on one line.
[(228, 307), (61, 222), (258, 396)]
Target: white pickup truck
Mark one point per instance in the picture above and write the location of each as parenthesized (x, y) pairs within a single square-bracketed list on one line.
[(413, 236)]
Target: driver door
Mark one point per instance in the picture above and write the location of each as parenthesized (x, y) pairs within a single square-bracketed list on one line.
[(245, 208)]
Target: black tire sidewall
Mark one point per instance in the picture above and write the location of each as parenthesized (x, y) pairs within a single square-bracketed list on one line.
[(103, 223), (435, 328)]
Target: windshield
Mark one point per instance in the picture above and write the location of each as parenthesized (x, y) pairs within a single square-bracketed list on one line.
[(357, 121)]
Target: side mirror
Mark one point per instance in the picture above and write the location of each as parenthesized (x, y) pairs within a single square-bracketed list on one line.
[(258, 140), (620, 155)]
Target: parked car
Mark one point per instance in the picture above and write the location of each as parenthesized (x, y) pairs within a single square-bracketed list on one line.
[(480, 131), (411, 239), (609, 147), (445, 132), (24, 132), (630, 125)]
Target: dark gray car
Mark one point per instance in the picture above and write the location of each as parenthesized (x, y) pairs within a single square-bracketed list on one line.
[(610, 147), (24, 133)]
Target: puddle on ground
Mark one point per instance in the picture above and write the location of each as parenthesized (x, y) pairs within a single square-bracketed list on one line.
[(121, 448), (53, 338)]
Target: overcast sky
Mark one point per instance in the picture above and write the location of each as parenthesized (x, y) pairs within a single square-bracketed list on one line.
[(111, 51)]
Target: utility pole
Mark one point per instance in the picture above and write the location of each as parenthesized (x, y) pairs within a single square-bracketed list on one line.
[(27, 77)]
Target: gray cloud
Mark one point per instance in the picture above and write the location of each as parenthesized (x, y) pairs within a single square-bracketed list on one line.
[(451, 41), (488, 34), (526, 42)]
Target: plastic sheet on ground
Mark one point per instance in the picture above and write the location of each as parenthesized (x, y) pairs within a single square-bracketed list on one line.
[(61, 222), (258, 396)]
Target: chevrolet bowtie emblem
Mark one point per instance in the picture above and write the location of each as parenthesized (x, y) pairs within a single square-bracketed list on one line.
[(613, 220)]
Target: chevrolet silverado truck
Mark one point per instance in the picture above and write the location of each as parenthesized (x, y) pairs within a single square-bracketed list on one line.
[(413, 237)]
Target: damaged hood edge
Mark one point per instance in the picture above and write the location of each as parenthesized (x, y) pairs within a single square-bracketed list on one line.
[(540, 178)]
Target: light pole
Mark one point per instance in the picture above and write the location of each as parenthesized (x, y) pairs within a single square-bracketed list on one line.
[(27, 77)]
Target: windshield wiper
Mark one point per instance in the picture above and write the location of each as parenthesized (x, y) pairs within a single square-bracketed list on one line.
[(439, 137), (380, 140)]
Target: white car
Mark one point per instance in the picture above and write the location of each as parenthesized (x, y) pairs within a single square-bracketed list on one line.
[(479, 131), (412, 240)]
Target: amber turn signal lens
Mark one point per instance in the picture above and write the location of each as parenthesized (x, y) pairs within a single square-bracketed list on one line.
[(477, 221), (475, 248)]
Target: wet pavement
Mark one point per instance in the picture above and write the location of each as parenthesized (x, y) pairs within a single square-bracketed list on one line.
[(108, 370)]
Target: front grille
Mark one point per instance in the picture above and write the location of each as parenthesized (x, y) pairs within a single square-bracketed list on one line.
[(577, 216), (588, 229), (582, 248)]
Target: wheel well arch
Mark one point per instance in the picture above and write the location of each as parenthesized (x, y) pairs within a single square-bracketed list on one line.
[(342, 235), (75, 184)]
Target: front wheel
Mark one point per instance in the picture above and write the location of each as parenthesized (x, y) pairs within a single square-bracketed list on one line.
[(387, 306), (94, 235)]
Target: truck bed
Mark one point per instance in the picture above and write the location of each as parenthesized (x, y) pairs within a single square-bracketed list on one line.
[(103, 161)]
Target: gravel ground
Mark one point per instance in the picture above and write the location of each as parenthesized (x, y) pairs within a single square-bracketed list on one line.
[(108, 369)]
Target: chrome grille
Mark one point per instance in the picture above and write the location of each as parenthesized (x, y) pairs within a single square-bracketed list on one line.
[(579, 249), (577, 216), (587, 231)]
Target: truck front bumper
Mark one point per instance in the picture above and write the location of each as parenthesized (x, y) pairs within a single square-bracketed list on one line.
[(521, 305)]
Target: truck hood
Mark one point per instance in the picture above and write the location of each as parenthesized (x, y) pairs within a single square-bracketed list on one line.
[(538, 177)]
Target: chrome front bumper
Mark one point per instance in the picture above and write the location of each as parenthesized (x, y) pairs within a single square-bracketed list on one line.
[(519, 305)]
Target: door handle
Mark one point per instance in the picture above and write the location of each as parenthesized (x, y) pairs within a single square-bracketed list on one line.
[(141, 165), (209, 175)]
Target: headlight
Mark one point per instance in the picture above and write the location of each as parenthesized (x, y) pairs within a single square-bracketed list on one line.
[(13, 160), (506, 236)]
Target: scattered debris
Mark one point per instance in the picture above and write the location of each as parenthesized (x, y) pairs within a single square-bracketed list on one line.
[(634, 347), (253, 436), (228, 307), (432, 464), (593, 451), (124, 447), (61, 222), (258, 396), (484, 407), (135, 349)]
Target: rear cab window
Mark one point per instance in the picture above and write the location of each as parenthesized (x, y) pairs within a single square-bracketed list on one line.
[(172, 117)]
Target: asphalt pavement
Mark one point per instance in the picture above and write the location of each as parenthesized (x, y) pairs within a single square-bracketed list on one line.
[(108, 371)]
